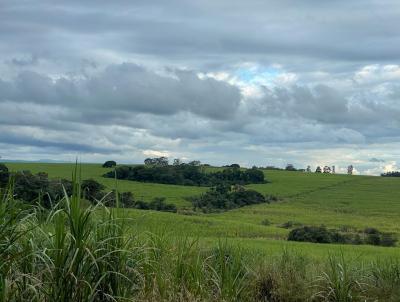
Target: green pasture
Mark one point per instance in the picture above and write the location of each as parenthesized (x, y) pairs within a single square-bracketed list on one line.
[(336, 201)]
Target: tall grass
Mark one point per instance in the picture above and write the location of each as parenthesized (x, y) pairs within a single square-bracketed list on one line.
[(341, 282), (81, 252)]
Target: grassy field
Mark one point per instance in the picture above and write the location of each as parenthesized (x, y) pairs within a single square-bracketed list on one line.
[(337, 201)]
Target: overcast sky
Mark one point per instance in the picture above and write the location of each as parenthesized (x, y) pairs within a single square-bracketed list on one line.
[(252, 82)]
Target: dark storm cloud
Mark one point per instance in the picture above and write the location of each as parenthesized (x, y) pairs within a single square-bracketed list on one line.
[(326, 105), (204, 31), (130, 76), (31, 60), (23, 140), (127, 87)]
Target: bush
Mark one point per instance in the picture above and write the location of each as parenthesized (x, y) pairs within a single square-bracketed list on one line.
[(224, 197), (4, 175), (323, 235), (266, 222), (375, 237), (388, 240), (126, 199), (290, 224), (109, 164), (33, 188), (158, 204), (314, 234), (272, 198), (92, 190)]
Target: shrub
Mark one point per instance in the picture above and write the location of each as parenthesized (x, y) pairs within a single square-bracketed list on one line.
[(388, 240), (92, 190), (313, 234), (373, 239), (158, 204), (4, 175), (266, 222), (290, 224), (126, 199), (224, 197), (37, 188), (324, 235), (272, 198)]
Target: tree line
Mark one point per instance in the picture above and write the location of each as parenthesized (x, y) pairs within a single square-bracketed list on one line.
[(158, 170), (391, 174), (39, 189), (320, 234)]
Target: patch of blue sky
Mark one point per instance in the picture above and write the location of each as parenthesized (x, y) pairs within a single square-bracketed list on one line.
[(257, 75)]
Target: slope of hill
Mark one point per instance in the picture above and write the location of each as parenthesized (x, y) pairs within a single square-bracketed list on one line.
[(337, 201)]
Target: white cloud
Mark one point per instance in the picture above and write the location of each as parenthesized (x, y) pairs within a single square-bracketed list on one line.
[(155, 153)]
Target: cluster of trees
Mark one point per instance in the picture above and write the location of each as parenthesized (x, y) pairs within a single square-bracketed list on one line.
[(290, 167), (391, 174), (163, 162), (157, 161), (323, 235), (38, 188), (35, 188), (224, 197), (232, 166), (183, 174), (186, 174)]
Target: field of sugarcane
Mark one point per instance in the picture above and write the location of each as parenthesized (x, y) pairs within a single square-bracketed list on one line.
[(81, 251)]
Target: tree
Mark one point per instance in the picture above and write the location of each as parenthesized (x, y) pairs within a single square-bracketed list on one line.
[(186, 174), (157, 161), (350, 169), (290, 167), (109, 164), (318, 170), (327, 170), (177, 162), (29, 187), (391, 174), (149, 161), (195, 163)]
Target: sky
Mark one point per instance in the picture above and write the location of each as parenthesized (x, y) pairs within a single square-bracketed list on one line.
[(252, 82)]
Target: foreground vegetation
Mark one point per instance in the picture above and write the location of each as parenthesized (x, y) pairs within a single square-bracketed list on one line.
[(173, 256), (75, 252)]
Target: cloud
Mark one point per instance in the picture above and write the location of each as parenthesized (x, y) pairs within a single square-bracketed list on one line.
[(250, 82), (155, 153), (127, 87), (376, 160), (25, 61)]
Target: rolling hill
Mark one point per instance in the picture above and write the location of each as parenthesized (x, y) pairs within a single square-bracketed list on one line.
[(348, 203)]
